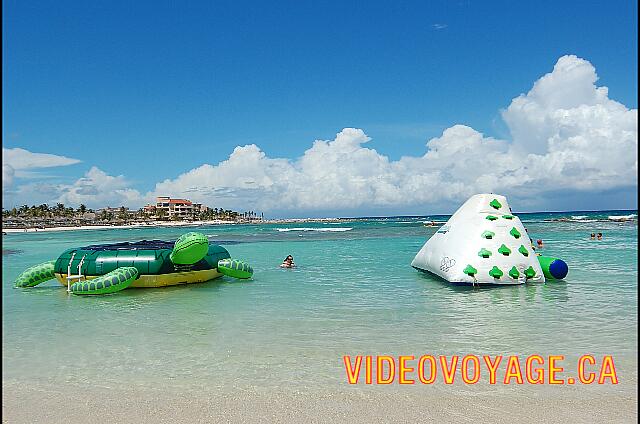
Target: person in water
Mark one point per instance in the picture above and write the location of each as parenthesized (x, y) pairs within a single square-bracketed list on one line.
[(593, 236), (288, 262), (539, 243), (599, 236)]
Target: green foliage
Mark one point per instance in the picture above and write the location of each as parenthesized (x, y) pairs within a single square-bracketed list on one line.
[(60, 212)]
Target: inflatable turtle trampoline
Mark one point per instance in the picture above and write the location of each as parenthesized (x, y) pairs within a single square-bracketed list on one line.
[(108, 268)]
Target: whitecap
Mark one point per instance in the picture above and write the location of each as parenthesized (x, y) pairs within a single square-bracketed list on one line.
[(622, 217)]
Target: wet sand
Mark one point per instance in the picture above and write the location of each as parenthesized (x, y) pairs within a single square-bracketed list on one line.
[(23, 403)]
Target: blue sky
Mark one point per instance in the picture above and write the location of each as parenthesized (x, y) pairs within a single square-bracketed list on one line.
[(151, 90)]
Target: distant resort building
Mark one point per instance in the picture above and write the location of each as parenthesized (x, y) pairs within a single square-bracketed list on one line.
[(165, 208), (174, 208)]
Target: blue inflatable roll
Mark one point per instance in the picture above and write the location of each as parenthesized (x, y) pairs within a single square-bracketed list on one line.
[(553, 267)]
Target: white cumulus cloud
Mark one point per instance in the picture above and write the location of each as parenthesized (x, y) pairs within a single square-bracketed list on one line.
[(17, 162), (579, 138), (566, 135), (7, 175), (95, 189), (23, 159), (98, 189)]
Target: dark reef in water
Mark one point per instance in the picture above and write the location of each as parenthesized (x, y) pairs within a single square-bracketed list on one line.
[(221, 242), (7, 252)]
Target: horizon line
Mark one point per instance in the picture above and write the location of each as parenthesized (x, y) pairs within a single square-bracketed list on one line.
[(518, 213)]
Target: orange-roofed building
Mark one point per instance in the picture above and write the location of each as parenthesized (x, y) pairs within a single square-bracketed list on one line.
[(179, 208)]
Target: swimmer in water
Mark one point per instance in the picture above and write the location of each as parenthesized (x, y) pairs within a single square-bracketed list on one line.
[(288, 262), (539, 243)]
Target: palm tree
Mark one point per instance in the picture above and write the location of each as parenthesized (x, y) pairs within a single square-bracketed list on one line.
[(82, 209), (43, 210), (122, 214)]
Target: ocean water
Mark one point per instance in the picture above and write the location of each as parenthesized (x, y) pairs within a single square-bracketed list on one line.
[(353, 292)]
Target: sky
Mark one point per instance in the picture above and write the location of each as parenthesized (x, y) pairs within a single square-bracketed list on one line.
[(321, 108)]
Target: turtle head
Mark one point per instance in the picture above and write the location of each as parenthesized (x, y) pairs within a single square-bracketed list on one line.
[(189, 249)]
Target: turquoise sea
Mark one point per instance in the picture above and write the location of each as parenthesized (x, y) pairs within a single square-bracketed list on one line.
[(353, 292)]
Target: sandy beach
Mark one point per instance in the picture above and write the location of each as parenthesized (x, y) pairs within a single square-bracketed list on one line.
[(24, 403), (153, 224)]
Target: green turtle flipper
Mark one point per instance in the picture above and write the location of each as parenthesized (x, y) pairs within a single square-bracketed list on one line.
[(116, 280), (235, 268), (189, 249), (36, 274)]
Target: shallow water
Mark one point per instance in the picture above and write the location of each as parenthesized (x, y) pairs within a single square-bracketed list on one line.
[(352, 293)]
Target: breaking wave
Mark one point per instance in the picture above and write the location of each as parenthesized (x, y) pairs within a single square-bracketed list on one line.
[(622, 217)]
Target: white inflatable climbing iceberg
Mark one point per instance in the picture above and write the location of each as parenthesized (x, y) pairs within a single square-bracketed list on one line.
[(482, 243)]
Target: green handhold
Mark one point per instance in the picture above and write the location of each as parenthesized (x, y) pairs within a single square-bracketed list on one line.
[(530, 272), (495, 204), (523, 250), (508, 216), (488, 234), (514, 273), (496, 272), (504, 250), (514, 232), (491, 217), (484, 253), (469, 270)]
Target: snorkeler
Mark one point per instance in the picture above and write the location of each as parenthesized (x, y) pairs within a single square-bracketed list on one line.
[(288, 262)]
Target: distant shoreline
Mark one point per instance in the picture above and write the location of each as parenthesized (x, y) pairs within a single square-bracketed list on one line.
[(157, 224), (104, 227), (160, 224)]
